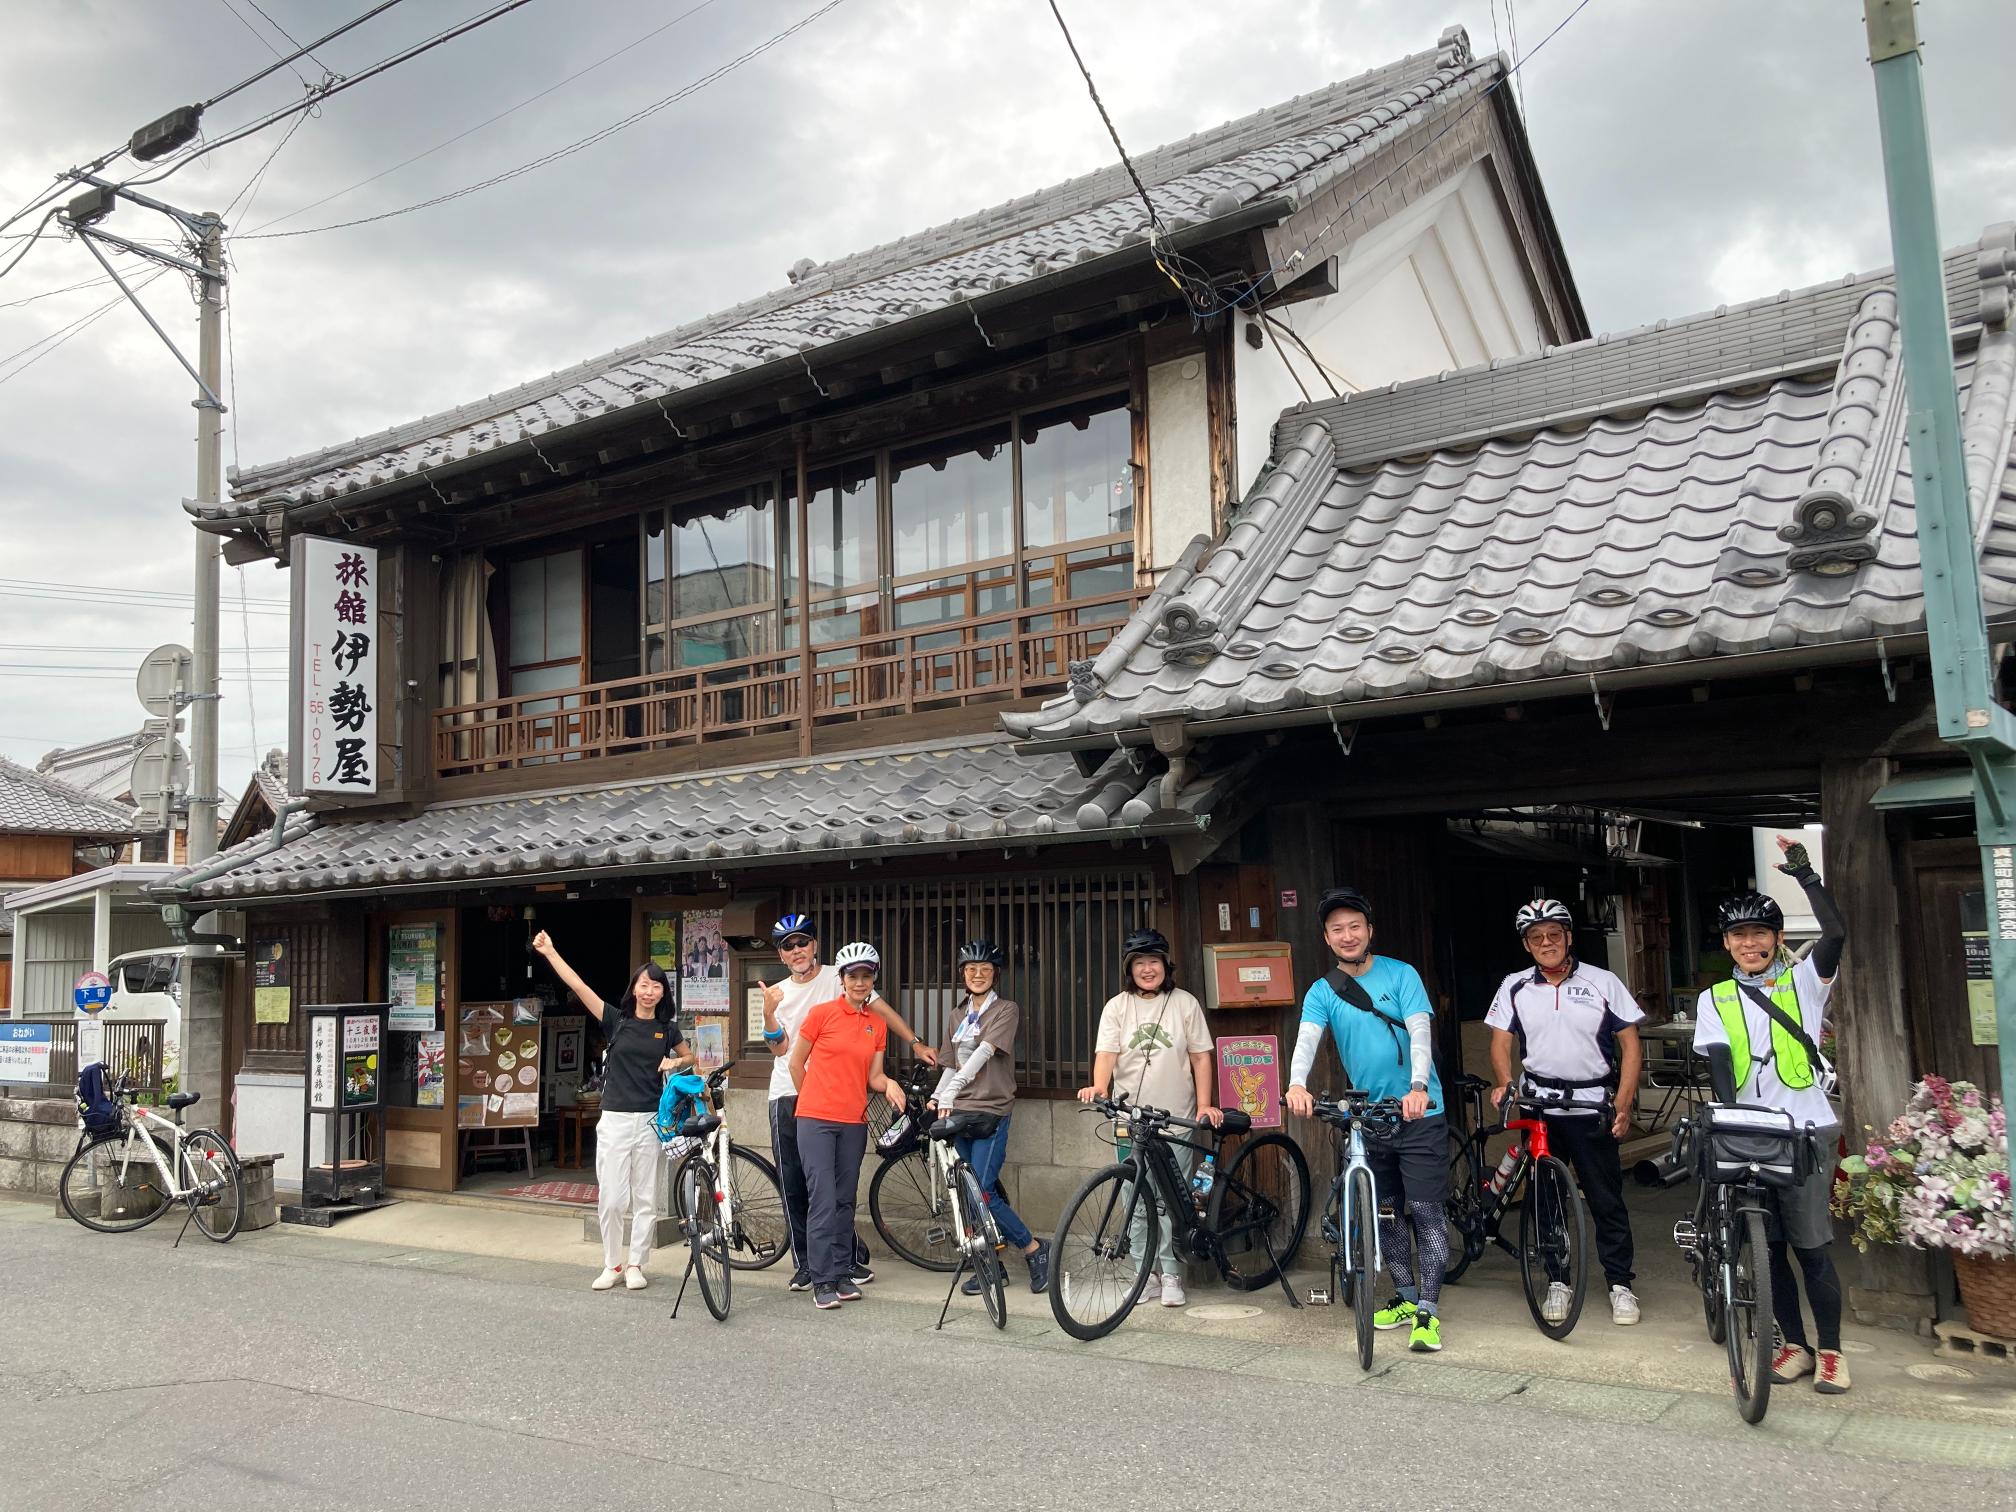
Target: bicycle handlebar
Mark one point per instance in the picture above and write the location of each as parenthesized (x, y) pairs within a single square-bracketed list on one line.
[(1352, 1105), (1145, 1116)]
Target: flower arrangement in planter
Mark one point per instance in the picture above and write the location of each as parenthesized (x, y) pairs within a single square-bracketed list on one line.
[(1938, 1178)]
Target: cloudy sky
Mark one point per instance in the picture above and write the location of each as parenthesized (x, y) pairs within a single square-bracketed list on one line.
[(1693, 154)]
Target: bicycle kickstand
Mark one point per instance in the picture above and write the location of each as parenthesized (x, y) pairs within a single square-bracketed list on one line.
[(1280, 1272), (946, 1310), (682, 1283)]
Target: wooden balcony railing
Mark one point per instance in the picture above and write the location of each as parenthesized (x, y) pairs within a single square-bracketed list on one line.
[(1010, 655)]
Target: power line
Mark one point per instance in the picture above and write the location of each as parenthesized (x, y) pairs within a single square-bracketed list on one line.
[(285, 62), (571, 148), (491, 121), (300, 52), (318, 95), (288, 35)]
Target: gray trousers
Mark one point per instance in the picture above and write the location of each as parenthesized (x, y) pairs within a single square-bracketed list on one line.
[(830, 1154)]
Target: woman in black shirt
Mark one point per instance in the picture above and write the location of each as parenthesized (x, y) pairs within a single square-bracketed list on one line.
[(643, 1041)]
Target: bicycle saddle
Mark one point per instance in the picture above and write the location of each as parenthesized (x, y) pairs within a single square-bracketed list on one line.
[(966, 1126), (699, 1128), (1472, 1083), (1235, 1122), (183, 1099)]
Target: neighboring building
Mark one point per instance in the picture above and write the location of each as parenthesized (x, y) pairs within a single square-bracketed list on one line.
[(49, 831), (104, 770), (957, 463)]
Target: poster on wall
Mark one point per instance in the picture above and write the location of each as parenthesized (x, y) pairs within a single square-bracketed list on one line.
[(703, 963), (412, 965), (336, 666), (710, 1043), (322, 1064), (431, 1075), (1980, 967), (661, 940), (272, 990), (1249, 1077)]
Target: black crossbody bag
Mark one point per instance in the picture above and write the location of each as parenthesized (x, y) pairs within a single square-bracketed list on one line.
[(1823, 1069), (1346, 987)]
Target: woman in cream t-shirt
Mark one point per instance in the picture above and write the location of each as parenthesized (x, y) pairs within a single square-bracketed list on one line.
[(1154, 1048)]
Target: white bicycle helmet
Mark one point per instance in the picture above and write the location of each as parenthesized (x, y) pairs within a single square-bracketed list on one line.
[(860, 953), (1544, 911)]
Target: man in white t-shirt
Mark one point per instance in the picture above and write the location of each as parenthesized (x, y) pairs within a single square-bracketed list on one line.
[(1155, 1049), (1575, 1028), (785, 1005)]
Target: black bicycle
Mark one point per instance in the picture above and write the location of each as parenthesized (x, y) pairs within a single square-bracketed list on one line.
[(1553, 1244), (1739, 1154), (1107, 1237)]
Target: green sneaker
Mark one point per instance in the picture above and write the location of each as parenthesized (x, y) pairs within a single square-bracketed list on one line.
[(1427, 1335), (1395, 1314)]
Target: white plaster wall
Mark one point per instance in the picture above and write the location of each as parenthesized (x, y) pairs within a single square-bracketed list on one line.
[(1441, 286), (1179, 458), (269, 1122)]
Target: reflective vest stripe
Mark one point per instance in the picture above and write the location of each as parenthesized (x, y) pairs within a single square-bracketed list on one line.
[(1794, 1069)]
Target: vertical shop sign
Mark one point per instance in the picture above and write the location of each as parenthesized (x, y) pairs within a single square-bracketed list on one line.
[(322, 1063), (412, 963), (661, 941), (336, 666), (272, 989)]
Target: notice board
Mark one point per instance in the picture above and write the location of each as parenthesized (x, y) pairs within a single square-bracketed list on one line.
[(498, 1065)]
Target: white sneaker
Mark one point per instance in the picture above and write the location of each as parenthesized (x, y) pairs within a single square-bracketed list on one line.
[(606, 1280), (634, 1278), (1623, 1305), (1559, 1298), (1172, 1292)]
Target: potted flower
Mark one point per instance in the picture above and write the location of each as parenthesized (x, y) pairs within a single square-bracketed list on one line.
[(1938, 1178)]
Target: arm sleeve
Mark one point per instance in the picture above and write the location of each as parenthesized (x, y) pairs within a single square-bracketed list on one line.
[(1307, 1042), (1833, 928), (952, 1083), (1421, 1044)]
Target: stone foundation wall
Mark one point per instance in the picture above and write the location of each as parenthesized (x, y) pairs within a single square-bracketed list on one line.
[(37, 1138)]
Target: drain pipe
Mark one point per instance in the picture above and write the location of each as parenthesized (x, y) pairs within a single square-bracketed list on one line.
[(237, 856)]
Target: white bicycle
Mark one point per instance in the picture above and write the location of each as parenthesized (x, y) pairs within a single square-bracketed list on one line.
[(124, 1180)]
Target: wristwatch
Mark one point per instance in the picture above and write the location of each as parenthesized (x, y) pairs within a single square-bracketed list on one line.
[(1420, 1086)]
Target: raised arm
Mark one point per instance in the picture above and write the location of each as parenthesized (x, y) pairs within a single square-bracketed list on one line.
[(1798, 865), (543, 943)]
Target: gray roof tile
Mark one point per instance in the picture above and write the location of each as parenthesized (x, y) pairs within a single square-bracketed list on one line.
[(1616, 530), (969, 794), (1293, 148), (35, 804)]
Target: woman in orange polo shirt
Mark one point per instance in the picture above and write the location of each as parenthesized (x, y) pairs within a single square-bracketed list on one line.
[(836, 1061)]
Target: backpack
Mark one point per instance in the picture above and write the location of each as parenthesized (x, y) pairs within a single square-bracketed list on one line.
[(683, 1098), (97, 1109)]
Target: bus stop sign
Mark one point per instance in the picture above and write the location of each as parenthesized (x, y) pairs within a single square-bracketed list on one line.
[(92, 992)]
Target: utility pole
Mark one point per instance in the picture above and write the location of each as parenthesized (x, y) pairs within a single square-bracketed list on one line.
[(1962, 668), (202, 837), (81, 217)]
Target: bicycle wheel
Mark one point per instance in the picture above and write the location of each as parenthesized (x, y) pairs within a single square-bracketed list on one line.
[(1466, 1209), (1363, 1260), (1097, 1267), (912, 1211), (1707, 1263), (1259, 1205), (1751, 1322), (983, 1248), (759, 1233), (210, 1168), (112, 1185), (1553, 1244), (709, 1238)]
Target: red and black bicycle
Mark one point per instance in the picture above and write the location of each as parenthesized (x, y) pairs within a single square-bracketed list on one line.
[(1553, 1248)]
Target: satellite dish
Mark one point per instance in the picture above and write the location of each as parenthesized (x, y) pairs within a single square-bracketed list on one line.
[(160, 770), (163, 675)]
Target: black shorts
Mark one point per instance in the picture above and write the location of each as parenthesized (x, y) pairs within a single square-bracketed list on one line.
[(1413, 1165)]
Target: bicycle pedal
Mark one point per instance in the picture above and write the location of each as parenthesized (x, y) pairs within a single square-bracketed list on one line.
[(1319, 1296), (1686, 1235), (937, 1235)]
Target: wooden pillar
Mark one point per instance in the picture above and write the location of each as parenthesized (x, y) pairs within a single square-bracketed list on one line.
[(1890, 1285), (802, 540)]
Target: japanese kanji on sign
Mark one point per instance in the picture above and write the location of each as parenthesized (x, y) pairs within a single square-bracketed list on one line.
[(337, 667)]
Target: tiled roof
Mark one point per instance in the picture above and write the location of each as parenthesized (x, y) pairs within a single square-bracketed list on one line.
[(34, 804), (102, 769), (1293, 149), (972, 795), (1754, 513)]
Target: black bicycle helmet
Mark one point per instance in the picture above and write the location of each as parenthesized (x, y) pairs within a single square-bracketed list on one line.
[(1749, 908), (790, 925), (1145, 942), (1341, 897), (979, 952)]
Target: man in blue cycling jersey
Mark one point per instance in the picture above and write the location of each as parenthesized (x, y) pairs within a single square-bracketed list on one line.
[(1377, 1014)]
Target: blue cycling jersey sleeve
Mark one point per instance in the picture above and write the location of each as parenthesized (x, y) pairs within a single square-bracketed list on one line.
[(1316, 1003), (1413, 996)]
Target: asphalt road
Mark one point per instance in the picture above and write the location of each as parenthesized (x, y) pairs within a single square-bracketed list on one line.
[(284, 1371)]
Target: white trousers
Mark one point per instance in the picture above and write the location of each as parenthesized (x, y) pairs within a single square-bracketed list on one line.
[(627, 1157)]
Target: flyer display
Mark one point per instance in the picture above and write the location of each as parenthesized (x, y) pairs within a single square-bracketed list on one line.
[(322, 1068), (431, 1086), (1249, 1077), (703, 964), (412, 971), (498, 1065), (272, 985)]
